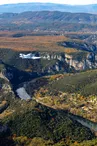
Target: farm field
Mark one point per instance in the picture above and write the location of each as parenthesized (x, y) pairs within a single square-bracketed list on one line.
[(32, 43)]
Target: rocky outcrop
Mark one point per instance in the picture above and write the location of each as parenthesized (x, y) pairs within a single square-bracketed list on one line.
[(89, 62), (64, 60)]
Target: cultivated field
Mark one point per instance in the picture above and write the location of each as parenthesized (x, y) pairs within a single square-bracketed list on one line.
[(32, 42)]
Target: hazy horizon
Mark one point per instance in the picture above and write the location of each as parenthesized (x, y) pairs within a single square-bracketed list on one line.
[(73, 2)]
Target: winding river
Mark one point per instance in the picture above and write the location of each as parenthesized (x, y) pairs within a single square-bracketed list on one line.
[(87, 123)]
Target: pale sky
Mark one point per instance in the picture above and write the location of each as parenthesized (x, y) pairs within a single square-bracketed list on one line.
[(72, 2)]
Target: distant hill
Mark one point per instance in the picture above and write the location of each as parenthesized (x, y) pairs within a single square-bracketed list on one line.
[(21, 7), (49, 16), (49, 21)]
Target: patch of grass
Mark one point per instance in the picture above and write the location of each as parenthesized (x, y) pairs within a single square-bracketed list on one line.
[(84, 83)]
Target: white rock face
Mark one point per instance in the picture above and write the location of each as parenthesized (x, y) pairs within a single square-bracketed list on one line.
[(87, 62), (23, 94)]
